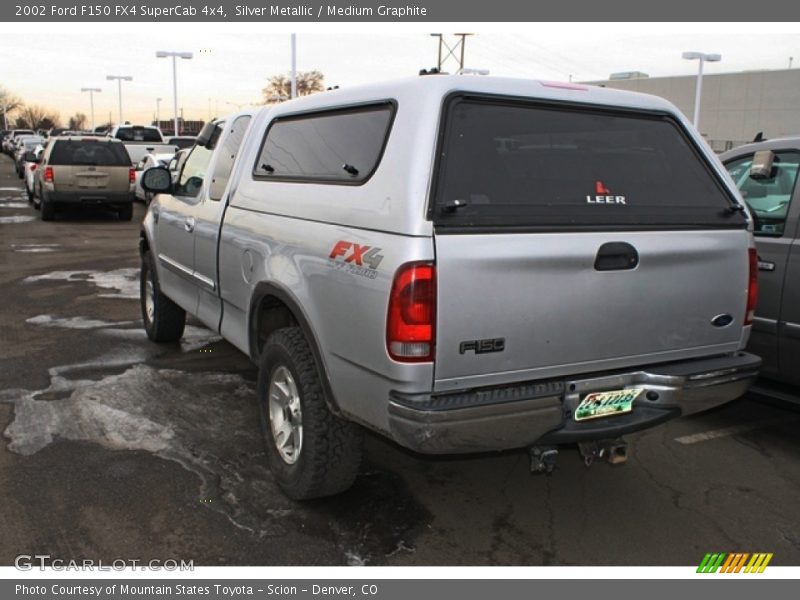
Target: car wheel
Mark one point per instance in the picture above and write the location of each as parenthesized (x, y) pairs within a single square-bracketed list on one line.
[(48, 210), (29, 192), (312, 453), (126, 212), (164, 321)]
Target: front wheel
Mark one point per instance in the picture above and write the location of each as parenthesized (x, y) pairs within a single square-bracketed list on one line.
[(164, 321), (312, 453)]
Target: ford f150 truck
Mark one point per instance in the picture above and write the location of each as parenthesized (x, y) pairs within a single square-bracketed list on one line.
[(460, 263)]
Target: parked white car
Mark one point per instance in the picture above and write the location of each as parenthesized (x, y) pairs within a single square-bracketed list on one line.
[(29, 168)]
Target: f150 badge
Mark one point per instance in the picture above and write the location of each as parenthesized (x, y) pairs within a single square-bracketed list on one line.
[(356, 259), (482, 346)]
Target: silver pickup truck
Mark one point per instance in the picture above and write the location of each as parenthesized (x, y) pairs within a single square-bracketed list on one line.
[(460, 263)]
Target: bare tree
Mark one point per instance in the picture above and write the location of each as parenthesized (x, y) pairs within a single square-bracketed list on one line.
[(77, 121), (279, 87), (34, 116), (8, 103)]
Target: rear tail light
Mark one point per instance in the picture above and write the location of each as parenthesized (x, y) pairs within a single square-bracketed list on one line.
[(33, 167), (48, 175), (131, 175), (752, 286), (411, 323)]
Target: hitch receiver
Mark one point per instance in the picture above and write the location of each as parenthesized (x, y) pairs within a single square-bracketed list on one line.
[(614, 452), (543, 458)]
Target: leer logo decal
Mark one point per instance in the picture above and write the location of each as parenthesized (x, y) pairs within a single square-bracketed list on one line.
[(603, 195)]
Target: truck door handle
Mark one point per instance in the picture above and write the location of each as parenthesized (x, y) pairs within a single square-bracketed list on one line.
[(189, 224), (616, 256)]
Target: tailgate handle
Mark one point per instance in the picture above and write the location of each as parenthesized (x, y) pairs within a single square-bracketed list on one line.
[(616, 256)]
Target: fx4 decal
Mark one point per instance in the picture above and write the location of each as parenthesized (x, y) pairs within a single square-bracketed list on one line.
[(356, 259)]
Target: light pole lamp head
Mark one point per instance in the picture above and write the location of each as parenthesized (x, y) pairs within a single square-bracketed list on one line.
[(702, 56), (91, 90), (165, 54)]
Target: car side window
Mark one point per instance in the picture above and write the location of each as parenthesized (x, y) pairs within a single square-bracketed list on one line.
[(196, 166), (768, 198), (227, 156)]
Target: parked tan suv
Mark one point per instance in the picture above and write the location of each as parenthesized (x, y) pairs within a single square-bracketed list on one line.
[(87, 171)]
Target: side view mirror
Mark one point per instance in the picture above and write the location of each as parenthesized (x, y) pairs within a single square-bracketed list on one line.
[(205, 133), (762, 164), (157, 180)]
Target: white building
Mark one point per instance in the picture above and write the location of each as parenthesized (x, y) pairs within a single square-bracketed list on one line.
[(734, 106)]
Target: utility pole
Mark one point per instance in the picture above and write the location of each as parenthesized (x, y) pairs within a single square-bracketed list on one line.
[(294, 66), (454, 50)]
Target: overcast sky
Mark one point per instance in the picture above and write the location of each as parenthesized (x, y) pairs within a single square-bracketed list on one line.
[(48, 63)]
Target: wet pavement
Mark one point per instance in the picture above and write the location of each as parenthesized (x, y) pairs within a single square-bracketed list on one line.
[(115, 447)]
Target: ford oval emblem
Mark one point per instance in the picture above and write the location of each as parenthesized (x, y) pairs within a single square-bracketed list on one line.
[(722, 320)]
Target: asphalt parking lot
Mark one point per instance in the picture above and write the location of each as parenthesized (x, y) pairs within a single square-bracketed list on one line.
[(115, 447)]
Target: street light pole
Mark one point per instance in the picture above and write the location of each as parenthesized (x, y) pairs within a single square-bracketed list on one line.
[(701, 58), (91, 101), (120, 79), (158, 112), (294, 65), (175, 56)]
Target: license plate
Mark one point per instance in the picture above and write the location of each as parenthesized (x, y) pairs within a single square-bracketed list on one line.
[(606, 404)]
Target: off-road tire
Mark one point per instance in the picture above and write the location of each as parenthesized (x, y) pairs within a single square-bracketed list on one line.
[(168, 320), (331, 448)]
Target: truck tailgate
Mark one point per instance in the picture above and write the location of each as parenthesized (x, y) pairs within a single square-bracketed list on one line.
[(555, 313)]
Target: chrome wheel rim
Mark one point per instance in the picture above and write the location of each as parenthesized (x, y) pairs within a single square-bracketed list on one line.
[(285, 415), (149, 298)]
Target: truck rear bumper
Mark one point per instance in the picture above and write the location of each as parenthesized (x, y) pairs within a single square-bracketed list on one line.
[(541, 412)]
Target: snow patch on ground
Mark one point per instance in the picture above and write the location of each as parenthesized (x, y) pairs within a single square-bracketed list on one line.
[(73, 322), (35, 247), (125, 281), (16, 219), (14, 204)]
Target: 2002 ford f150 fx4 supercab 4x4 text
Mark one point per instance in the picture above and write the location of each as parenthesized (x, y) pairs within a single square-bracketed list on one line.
[(460, 263)]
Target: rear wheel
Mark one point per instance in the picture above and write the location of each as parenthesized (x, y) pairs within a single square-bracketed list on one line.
[(311, 452), (126, 212), (164, 321), (48, 210)]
